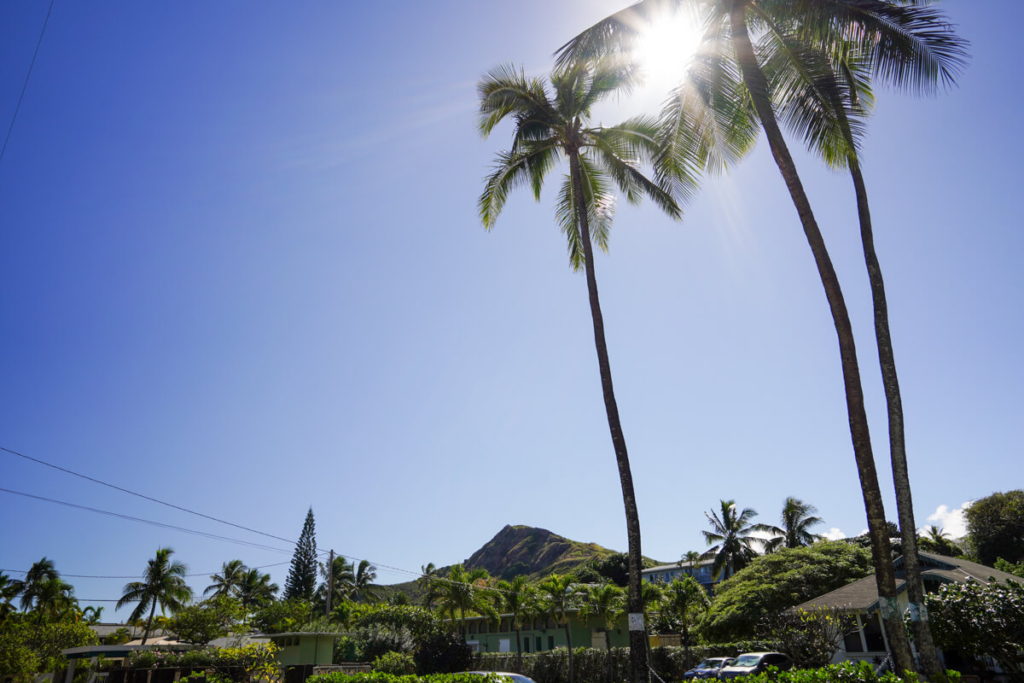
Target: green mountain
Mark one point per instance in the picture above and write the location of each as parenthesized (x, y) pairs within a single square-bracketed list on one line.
[(519, 549)]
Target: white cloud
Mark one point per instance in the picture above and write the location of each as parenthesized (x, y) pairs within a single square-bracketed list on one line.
[(951, 521), (834, 534)]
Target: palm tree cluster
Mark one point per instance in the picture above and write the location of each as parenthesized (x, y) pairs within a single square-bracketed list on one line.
[(806, 65), (251, 587), (352, 582)]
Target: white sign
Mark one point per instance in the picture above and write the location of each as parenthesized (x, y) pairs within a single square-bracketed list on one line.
[(636, 621)]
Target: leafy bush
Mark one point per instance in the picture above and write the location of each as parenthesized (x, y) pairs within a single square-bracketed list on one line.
[(346, 649), (281, 616), (980, 620), (252, 662), (417, 620), (379, 640), (396, 663), (810, 637), (206, 621)]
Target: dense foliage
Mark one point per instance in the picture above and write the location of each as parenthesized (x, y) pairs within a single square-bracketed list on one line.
[(772, 583), (395, 663), (981, 620), (281, 616), (996, 527), (28, 648), (380, 677), (200, 623)]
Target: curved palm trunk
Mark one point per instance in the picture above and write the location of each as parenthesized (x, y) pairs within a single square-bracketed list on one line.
[(608, 649), (149, 623), (897, 441), (637, 639), (568, 642), (885, 575)]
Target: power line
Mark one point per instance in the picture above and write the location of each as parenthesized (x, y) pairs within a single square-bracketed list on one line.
[(143, 496), (138, 576), (147, 521), (24, 85)]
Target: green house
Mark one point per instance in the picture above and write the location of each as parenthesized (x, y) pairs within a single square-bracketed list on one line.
[(300, 649), (541, 634)]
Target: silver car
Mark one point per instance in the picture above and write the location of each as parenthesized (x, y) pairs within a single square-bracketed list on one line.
[(754, 663)]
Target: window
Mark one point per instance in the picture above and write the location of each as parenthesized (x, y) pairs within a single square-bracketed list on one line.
[(551, 642), (538, 644), (873, 634), (526, 645)]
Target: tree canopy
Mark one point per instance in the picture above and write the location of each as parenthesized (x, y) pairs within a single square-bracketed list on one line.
[(996, 527), (781, 580)]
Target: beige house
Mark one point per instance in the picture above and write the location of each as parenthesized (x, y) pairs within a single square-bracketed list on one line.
[(860, 598)]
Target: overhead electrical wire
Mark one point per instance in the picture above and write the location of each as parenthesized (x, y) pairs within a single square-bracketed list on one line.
[(139, 576), (147, 521), (143, 496), (24, 85)]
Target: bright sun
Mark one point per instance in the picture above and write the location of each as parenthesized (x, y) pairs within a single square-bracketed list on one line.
[(666, 48)]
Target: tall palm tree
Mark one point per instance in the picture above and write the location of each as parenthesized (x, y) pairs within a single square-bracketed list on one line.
[(516, 598), (38, 573), (839, 94), (256, 590), (163, 583), (908, 44), (606, 603), (797, 518), (229, 580), (551, 125), (731, 538), (560, 598)]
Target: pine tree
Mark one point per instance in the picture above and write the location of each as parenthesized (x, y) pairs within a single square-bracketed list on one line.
[(301, 583)]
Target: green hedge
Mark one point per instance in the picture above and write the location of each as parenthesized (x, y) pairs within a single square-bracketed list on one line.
[(378, 677), (847, 672), (591, 666)]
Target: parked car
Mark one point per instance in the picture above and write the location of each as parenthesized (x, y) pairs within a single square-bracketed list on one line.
[(754, 663), (513, 678), (709, 668)]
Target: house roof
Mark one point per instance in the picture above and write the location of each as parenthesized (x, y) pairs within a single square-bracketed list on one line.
[(863, 593), (676, 565)]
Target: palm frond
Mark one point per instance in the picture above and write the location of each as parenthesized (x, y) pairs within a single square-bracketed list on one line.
[(505, 90)]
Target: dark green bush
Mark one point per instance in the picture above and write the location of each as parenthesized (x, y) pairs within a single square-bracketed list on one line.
[(847, 672), (338, 677), (443, 652)]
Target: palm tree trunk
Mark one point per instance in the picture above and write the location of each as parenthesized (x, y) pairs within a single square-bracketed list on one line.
[(638, 662), (885, 575), (519, 650), (149, 622), (897, 440), (608, 649), (568, 642)]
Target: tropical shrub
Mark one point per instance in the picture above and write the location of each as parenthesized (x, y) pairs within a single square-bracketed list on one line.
[(28, 649), (981, 620), (281, 616), (847, 672), (396, 663), (206, 621), (377, 640)]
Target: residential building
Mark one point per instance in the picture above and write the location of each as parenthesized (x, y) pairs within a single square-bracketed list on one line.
[(540, 634), (667, 573)]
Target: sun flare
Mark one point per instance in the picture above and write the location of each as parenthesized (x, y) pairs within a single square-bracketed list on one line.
[(667, 47)]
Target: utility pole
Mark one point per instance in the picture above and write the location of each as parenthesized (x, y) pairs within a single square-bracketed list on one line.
[(330, 583)]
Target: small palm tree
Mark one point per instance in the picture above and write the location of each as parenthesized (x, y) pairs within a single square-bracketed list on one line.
[(686, 602), (163, 583), (516, 598), (461, 591), (560, 599), (256, 590), (363, 589), (92, 615), (424, 581), (731, 538), (606, 603), (797, 518), (552, 125), (689, 558), (9, 589), (228, 581)]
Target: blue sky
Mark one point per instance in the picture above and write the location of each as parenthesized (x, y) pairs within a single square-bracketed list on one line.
[(242, 272)]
